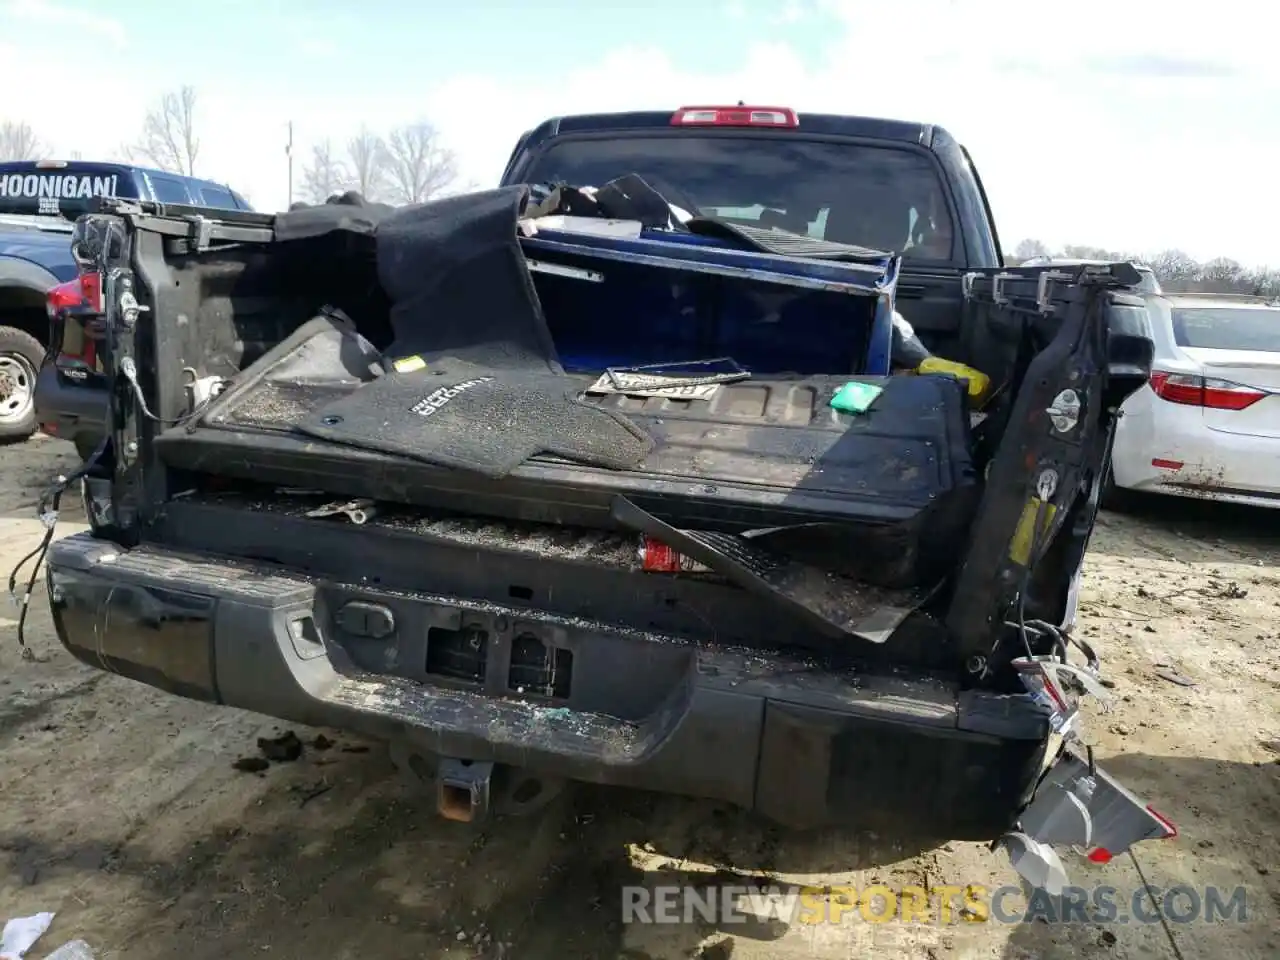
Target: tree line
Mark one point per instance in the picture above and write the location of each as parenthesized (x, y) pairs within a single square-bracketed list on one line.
[(1177, 271), (409, 164)]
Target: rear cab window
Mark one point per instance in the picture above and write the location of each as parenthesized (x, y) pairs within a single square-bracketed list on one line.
[(883, 197), (1253, 328), (218, 197), (171, 190)]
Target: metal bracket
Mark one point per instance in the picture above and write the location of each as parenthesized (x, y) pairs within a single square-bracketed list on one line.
[(997, 281), (563, 270), (1043, 286), (201, 231), (357, 511), (1064, 412)]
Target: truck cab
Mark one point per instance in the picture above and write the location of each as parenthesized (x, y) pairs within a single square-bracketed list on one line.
[(39, 201)]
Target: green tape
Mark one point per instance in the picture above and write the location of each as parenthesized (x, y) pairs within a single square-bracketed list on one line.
[(855, 397)]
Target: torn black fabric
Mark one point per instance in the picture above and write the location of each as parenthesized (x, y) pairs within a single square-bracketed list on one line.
[(782, 242), (344, 213), (629, 197), (459, 285)]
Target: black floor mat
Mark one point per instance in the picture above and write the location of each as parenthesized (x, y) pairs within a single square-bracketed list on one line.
[(481, 419), (832, 603), (322, 359), (782, 242)]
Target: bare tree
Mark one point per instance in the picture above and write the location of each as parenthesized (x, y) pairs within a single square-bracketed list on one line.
[(418, 166), (1029, 248), (1222, 273), (1179, 272), (168, 139), (324, 176), (18, 141), (367, 155)]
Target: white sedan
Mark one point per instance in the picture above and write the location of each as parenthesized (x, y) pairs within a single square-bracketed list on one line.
[(1207, 425)]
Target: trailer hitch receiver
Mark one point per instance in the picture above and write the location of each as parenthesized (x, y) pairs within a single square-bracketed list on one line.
[(462, 789)]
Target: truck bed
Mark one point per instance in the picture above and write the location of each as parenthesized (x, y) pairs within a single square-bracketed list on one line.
[(895, 483)]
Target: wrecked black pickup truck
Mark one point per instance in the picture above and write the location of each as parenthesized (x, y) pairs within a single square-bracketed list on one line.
[(628, 472)]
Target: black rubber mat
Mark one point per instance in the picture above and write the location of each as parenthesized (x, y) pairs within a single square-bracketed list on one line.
[(324, 358), (782, 242), (832, 603), (478, 418)]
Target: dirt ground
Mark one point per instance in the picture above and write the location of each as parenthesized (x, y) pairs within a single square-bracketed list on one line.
[(121, 811)]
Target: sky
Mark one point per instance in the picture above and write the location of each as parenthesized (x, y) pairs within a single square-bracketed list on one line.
[(1127, 124)]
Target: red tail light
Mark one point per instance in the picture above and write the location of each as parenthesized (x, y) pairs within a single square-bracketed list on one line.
[(65, 296), (82, 293), (739, 116), (80, 300), (91, 290), (1196, 391)]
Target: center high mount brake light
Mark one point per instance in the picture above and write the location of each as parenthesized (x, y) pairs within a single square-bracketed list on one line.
[(739, 116)]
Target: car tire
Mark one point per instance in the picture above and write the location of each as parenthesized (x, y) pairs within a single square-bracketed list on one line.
[(20, 358)]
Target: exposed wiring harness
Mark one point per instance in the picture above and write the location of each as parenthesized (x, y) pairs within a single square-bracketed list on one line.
[(51, 499), (129, 370)]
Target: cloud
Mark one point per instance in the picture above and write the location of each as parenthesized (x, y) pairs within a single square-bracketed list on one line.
[(1163, 65), (1067, 149), (792, 12), (317, 46), (1082, 134), (48, 14)]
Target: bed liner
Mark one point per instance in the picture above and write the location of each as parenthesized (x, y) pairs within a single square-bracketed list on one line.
[(887, 488)]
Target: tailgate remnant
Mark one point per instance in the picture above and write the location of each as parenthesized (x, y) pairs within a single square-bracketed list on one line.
[(832, 603), (1078, 804)]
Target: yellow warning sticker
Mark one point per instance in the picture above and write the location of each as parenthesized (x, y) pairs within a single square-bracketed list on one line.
[(409, 364), (1020, 545)]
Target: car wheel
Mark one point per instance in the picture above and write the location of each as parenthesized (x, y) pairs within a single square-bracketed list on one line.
[(20, 358)]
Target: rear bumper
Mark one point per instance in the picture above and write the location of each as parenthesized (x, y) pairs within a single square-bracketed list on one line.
[(67, 411), (796, 743)]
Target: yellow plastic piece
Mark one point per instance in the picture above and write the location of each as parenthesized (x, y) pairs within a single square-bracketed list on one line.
[(1025, 535), (409, 364), (978, 382)]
